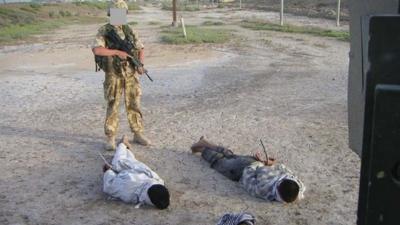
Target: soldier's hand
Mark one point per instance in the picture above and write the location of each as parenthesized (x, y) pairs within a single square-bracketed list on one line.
[(122, 54), (140, 70)]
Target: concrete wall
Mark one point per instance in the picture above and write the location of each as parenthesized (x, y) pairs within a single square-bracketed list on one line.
[(356, 92)]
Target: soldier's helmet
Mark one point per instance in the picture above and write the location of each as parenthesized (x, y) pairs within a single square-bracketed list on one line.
[(119, 4)]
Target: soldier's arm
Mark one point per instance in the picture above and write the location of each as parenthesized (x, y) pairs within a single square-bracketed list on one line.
[(102, 51), (99, 47), (139, 46), (141, 55)]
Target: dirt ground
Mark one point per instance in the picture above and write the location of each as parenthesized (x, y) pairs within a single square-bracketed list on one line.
[(288, 89)]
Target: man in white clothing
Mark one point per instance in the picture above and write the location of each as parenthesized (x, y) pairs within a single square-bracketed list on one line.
[(132, 181)]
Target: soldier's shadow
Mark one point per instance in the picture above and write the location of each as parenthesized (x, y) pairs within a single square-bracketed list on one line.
[(54, 136)]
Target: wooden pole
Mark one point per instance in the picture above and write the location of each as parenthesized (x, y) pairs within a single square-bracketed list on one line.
[(338, 14), (183, 27), (281, 14), (174, 13), (240, 4)]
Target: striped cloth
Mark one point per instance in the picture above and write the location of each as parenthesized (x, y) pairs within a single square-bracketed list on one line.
[(235, 219)]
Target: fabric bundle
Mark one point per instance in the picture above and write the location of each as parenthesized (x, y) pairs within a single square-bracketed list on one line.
[(235, 219)]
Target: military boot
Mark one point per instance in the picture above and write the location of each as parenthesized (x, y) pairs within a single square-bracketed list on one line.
[(141, 139), (110, 144)]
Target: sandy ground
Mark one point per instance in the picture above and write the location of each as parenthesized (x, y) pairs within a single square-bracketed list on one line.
[(288, 89)]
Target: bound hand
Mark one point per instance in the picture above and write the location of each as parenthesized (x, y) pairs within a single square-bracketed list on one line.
[(140, 70), (268, 162), (121, 54), (106, 167)]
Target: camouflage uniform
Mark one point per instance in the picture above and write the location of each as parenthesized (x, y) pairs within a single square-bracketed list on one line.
[(117, 83)]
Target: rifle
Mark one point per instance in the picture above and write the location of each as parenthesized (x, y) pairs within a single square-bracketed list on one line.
[(126, 46)]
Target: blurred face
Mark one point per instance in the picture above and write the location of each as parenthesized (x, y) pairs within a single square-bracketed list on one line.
[(118, 16)]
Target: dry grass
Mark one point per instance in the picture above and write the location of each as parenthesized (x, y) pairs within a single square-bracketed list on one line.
[(195, 35), (21, 21), (263, 25)]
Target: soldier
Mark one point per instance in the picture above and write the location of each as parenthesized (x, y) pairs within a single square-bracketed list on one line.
[(121, 78)]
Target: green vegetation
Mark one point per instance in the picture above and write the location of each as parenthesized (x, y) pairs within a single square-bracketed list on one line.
[(11, 33), (262, 25), (35, 6), (15, 16), (52, 14), (65, 13), (195, 35), (133, 6), (22, 20), (29, 9), (167, 5), (212, 23), (133, 23), (104, 5), (93, 4)]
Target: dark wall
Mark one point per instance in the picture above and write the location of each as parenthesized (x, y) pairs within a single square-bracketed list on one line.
[(356, 92)]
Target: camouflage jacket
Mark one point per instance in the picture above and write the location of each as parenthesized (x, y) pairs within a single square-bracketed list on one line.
[(112, 64)]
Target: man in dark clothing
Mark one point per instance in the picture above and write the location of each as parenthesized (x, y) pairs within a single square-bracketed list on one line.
[(260, 177)]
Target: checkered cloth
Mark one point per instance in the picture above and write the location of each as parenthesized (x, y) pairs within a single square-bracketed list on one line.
[(262, 181), (235, 219)]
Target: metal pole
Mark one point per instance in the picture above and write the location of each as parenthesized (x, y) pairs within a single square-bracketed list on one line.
[(240, 4), (174, 13), (338, 14), (183, 27), (281, 14)]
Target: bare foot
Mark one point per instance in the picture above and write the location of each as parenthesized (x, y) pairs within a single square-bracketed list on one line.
[(125, 141), (198, 146)]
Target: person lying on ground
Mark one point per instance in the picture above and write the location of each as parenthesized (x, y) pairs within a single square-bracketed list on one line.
[(262, 178), (132, 181)]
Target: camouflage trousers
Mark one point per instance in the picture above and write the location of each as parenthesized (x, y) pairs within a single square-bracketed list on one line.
[(115, 87)]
